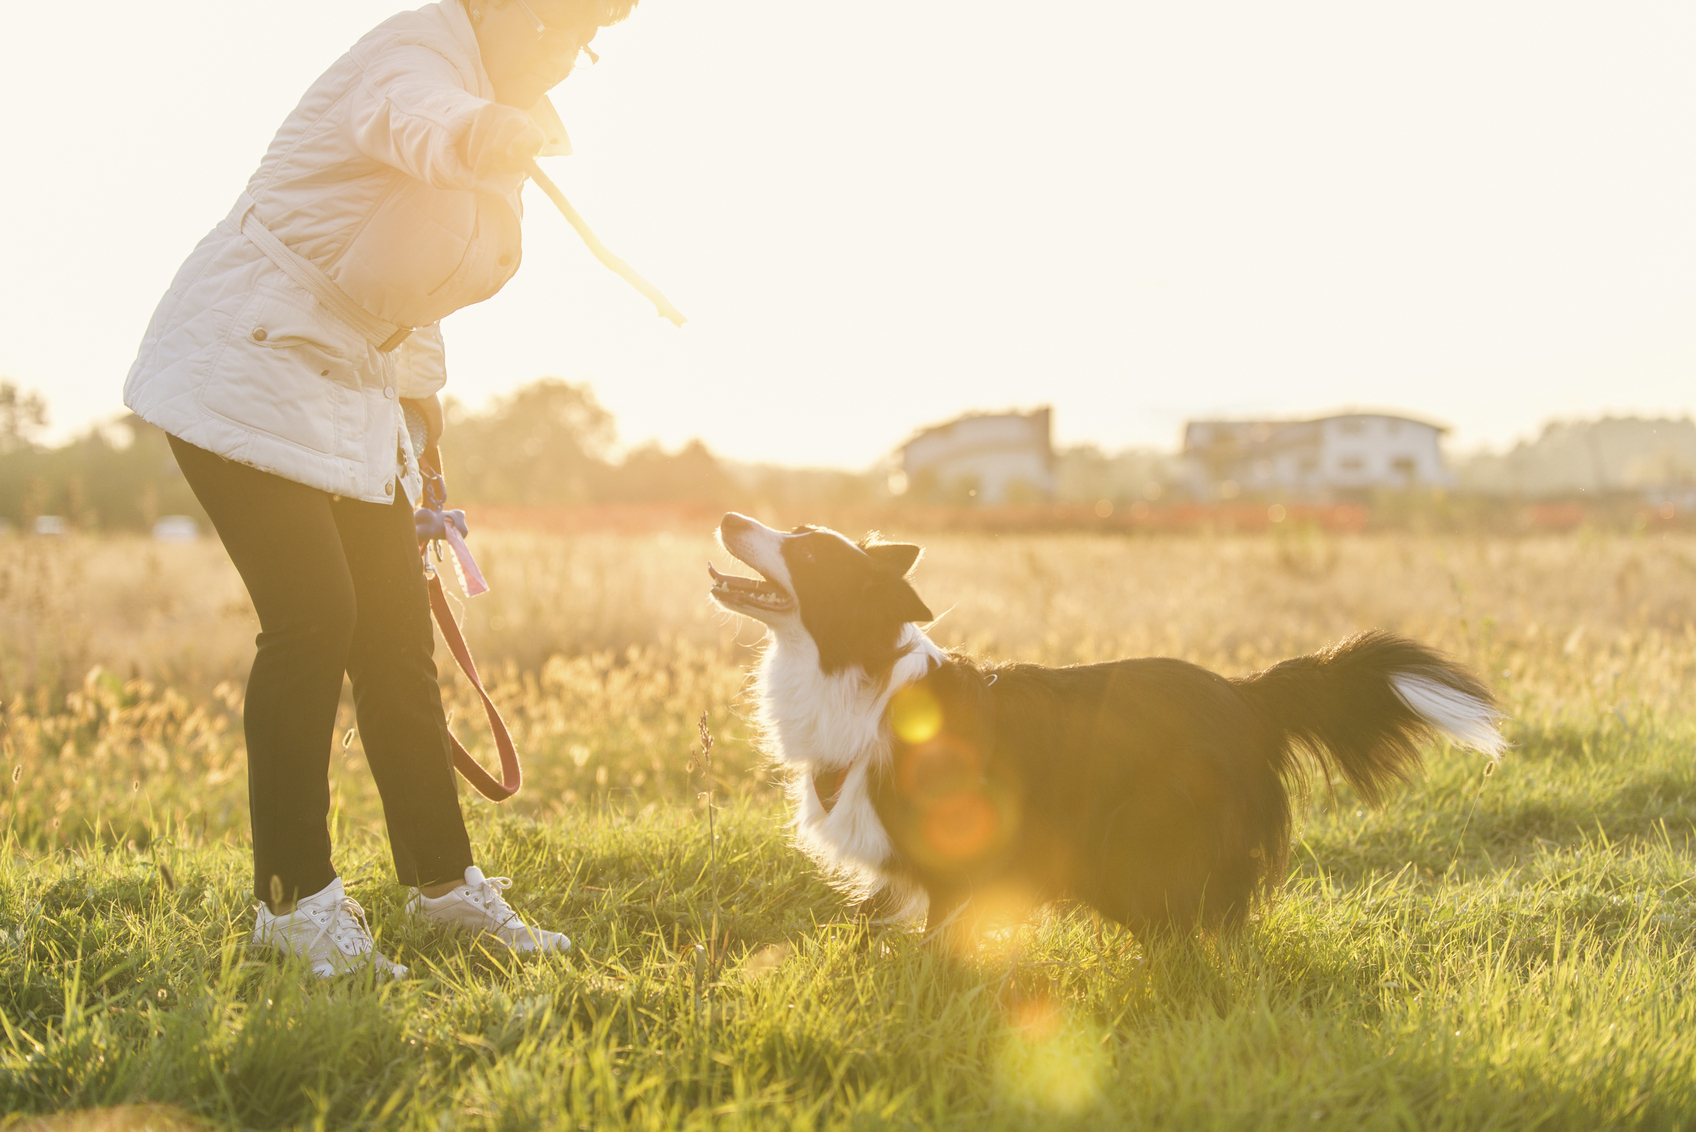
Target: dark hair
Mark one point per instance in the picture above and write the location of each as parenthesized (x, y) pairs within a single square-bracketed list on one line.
[(606, 12), (610, 11)]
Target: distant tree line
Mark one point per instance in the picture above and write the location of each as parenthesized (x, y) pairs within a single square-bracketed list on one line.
[(1579, 459), (549, 444), (120, 476)]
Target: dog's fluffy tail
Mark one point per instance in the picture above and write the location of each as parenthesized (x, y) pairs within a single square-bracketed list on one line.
[(1361, 707)]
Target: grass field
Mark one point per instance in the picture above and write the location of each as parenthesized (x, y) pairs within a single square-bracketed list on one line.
[(1511, 950)]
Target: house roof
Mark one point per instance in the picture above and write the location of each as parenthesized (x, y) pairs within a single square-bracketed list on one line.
[(948, 426), (1265, 431)]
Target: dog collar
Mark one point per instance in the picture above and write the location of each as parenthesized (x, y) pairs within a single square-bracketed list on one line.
[(827, 784)]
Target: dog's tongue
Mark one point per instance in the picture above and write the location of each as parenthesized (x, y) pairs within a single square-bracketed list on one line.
[(731, 581)]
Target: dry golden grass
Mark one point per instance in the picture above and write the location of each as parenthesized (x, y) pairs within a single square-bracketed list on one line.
[(177, 613), (123, 659), (119, 1118)]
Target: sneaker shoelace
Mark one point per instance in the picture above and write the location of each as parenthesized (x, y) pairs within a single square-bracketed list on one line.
[(488, 897), (346, 928)]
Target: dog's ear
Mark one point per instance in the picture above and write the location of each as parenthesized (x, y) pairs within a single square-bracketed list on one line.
[(896, 556), (904, 601)]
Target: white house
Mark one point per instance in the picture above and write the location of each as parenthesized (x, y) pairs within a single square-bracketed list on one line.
[(983, 458), (1332, 455)]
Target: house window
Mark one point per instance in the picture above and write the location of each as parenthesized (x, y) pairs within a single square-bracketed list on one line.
[(1351, 463), (1405, 467), (1351, 427)]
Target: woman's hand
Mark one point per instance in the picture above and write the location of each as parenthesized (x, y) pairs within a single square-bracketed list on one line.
[(430, 408), (500, 140)]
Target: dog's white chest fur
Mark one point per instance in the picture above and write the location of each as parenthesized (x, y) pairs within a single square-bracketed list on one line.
[(814, 721)]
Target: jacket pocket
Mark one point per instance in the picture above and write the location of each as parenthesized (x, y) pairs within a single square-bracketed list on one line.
[(281, 324), (287, 371), (412, 244)]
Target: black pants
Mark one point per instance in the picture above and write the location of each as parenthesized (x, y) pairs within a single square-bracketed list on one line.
[(339, 587)]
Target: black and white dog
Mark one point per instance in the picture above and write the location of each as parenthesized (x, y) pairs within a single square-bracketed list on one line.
[(1153, 789)]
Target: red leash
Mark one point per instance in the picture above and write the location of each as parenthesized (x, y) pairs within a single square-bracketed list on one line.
[(512, 776)]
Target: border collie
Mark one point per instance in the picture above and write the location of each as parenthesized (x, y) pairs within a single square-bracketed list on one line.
[(1152, 789)]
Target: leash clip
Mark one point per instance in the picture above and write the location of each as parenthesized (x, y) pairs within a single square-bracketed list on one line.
[(435, 487), (434, 526)]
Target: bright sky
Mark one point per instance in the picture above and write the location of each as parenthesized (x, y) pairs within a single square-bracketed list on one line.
[(877, 218)]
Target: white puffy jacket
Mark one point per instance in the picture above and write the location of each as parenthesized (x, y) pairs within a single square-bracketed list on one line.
[(276, 345)]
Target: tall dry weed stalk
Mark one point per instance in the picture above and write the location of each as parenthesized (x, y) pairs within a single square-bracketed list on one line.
[(702, 758)]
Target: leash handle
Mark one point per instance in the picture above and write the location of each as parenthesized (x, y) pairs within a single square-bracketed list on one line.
[(512, 775)]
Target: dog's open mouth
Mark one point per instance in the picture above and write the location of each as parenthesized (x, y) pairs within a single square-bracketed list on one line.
[(749, 593)]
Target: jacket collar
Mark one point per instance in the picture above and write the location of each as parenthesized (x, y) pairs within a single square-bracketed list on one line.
[(547, 118), (459, 26)]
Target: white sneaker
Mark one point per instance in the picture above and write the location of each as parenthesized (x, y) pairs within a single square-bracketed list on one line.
[(478, 906), (328, 928)]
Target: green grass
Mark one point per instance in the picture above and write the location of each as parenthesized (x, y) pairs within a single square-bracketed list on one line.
[(1510, 952)]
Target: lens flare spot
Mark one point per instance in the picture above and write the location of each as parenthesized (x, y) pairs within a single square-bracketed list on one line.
[(939, 768), (959, 826), (1050, 1062), (914, 714), (1036, 1019)]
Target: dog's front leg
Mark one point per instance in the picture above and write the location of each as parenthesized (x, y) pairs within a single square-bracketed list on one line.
[(948, 927), (869, 914)]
